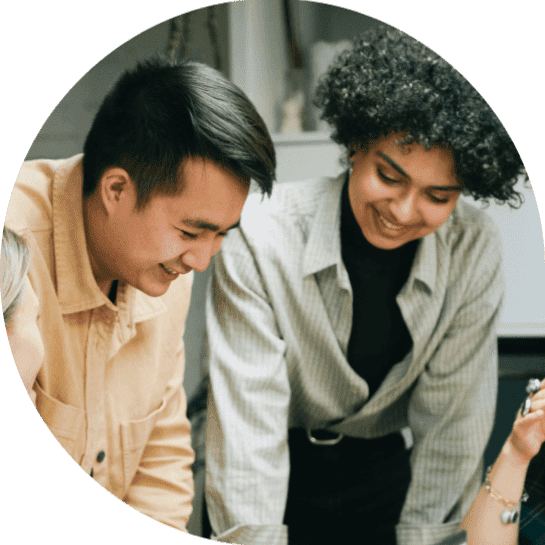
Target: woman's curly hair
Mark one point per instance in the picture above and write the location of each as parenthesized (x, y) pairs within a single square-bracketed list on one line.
[(389, 83)]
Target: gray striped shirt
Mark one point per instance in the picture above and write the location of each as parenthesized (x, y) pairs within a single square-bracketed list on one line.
[(279, 317)]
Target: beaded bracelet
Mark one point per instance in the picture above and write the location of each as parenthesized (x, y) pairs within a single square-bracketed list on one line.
[(511, 514)]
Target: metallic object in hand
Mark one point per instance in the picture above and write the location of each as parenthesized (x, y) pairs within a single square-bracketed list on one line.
[(531, 388)]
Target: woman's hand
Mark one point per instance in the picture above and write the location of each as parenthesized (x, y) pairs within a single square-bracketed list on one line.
[(529, 431)]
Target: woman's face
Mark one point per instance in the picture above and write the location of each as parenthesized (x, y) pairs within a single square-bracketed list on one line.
[(401, 193), (25, 339)]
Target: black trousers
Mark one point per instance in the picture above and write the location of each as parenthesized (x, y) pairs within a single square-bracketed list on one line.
[(351, 492)]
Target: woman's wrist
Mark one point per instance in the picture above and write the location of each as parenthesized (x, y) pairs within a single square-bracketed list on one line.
[(514, 456)]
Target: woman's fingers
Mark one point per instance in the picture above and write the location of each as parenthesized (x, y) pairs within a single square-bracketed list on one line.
[(531, 418)]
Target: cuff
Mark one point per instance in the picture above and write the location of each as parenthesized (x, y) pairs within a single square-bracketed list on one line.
[(426, 534), (255, 535)]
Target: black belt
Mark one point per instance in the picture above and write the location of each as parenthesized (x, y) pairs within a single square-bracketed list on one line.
[(324, 437)]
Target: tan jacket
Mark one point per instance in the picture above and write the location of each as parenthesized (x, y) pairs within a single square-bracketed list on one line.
[(110, 389)]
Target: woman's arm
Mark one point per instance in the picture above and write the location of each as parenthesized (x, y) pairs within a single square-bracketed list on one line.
[(482, 522)]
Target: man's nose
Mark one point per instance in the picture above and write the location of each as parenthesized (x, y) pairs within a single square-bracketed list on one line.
[(198, 258)]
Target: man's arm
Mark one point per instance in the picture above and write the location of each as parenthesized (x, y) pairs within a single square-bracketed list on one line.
[(247, 464), (451, 411)]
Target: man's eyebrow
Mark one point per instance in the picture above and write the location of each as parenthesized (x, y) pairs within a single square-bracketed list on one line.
[(203, 224), (393, 164)]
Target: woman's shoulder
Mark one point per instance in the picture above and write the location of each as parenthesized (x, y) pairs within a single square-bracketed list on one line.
[(469, 221), (287, 199), (289, 210)]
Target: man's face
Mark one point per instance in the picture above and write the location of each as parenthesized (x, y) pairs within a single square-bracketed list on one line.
[(399, 194), (172, 235)]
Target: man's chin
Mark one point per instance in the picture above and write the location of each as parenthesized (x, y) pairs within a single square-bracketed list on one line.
[(153, 290)]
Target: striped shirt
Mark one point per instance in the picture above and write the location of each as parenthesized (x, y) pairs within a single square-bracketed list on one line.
[(279, 318)]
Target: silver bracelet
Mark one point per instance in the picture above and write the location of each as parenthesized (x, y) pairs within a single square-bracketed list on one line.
[(511, 514)]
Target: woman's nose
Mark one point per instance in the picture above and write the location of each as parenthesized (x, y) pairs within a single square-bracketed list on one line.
[(404, 209)]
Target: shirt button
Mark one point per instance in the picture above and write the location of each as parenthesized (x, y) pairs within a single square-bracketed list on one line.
[(100, 457)]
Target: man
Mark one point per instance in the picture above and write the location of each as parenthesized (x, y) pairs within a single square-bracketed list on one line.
[(164, 175)]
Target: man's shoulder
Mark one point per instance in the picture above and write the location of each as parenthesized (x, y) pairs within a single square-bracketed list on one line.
[(31, 203)]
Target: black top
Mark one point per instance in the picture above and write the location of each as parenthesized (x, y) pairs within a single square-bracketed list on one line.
[(532, 521), (379, 338), (112, 295)]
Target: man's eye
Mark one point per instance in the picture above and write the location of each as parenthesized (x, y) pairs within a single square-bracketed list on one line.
[(185, 234)]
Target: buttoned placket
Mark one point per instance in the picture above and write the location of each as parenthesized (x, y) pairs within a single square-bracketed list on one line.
[(99, 341), (109, 330)]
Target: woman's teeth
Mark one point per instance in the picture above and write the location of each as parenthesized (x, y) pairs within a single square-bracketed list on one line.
[(386, 223)]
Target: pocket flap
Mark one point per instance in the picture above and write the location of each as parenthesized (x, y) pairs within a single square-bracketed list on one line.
[(65, 422)]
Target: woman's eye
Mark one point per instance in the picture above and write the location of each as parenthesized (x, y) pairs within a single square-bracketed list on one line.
[(437, 199), (387, 179)]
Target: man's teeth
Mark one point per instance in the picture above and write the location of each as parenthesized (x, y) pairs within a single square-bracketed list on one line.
[(170, 271), (388, 224)]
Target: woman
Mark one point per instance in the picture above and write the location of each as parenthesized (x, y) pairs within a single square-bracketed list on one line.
[(344, 310), (20, 307), (496, 513)]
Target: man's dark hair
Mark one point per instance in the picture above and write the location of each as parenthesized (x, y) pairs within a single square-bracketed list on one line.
[(162, 112), (389, 83)]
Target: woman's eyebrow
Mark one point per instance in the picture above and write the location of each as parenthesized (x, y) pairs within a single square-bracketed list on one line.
[(393, 164), (448, 187)]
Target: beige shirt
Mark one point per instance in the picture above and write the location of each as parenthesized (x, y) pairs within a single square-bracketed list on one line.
[(110, 388)]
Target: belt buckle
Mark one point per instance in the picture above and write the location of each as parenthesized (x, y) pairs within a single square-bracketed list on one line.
[(324, 442)]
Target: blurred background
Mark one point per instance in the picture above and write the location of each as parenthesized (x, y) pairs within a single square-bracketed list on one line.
[(275, 50)]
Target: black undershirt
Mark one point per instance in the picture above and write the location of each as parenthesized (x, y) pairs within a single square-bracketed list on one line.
[(112, 295), (379, 338)]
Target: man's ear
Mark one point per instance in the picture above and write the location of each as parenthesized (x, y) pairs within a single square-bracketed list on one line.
[(116, 186)]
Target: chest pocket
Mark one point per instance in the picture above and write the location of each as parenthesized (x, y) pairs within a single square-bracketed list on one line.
[(65, 422)]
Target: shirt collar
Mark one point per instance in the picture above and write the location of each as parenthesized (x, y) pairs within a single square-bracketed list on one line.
[(323, 248), (77, 289), (432, 249), (425, 262), (324, 243)]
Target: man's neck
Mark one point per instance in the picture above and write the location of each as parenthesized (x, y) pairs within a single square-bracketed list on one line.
[(92, 220)]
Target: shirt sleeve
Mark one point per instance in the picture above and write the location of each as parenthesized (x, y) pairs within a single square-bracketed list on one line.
[(162, 487), (452, 408), (247, 459)]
